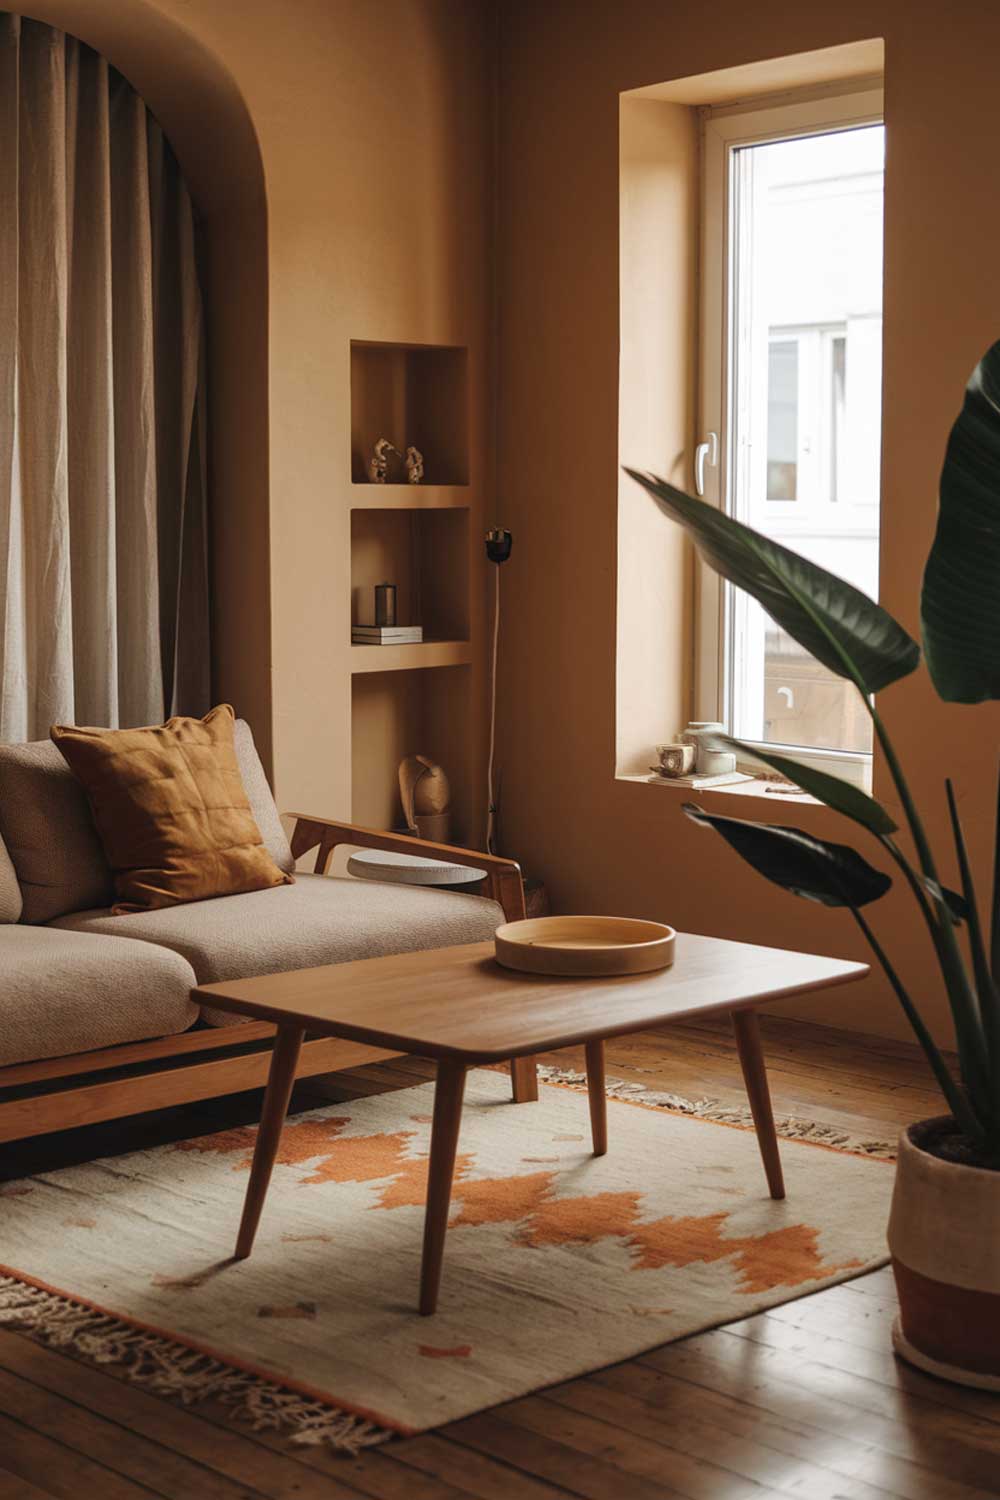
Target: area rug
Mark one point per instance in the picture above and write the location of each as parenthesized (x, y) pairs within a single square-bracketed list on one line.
[(556, 1262)]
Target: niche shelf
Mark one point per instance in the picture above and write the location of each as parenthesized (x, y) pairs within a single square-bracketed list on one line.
[(403, 658), (425, 553), (395, 714), (414, 497), (411, 394)]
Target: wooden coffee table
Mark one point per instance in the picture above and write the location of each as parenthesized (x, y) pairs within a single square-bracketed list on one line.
[(458, 1006)]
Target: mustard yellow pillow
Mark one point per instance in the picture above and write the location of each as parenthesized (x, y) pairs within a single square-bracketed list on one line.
[(171, 810)]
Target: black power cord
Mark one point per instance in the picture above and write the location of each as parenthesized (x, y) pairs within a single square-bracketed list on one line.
[(498, 548)]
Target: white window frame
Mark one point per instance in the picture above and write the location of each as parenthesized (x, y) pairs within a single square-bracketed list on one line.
[(723, 130)]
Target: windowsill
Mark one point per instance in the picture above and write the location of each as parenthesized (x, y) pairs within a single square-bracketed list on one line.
[(756, 790)]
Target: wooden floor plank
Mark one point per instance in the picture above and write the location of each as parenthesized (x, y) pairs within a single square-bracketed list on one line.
[(372, 1474), (13, 1487), (873, 1359), (950, 1444), (163, 1470), (798, 1438), (707, 1457), (545, 1457), (378, 1476), (474, 1473), (580, 1420), (226, 1448), (60, 1471)]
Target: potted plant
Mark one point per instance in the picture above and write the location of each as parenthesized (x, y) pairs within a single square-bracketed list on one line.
[(944, 1232)]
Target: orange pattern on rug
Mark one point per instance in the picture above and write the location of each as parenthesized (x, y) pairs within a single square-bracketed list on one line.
[(788, 1257)]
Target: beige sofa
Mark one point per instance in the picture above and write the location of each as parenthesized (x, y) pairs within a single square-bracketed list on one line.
[(96, 1014)]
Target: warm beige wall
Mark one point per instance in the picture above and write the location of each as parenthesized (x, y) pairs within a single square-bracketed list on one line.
[(369, 130), (373, 123), (656, 415), (616, 846)]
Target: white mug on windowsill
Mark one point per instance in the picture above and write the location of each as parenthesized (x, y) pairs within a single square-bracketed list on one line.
[(711, 761)]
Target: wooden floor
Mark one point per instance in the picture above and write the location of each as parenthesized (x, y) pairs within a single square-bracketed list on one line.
[(804, 1401)]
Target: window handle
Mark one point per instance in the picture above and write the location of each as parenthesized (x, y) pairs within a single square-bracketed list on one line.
[(708, 451)]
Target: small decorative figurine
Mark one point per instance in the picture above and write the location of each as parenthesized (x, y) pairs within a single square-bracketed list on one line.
[(426, 797), (414, 466), (378, 464)]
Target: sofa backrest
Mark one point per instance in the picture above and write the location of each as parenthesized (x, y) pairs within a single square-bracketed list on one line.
[(49, 834), (10, 891), (261, 801)]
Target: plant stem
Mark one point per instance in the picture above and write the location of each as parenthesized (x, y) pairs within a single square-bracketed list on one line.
[(920, 895), (920, 840), (995, 916), (957, 1103), (965, 1009), (934, 927)]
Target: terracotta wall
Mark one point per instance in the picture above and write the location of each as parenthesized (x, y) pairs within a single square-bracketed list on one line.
[(610, 845)]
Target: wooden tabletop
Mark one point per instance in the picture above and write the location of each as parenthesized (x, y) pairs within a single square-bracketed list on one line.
[(459, 1002)]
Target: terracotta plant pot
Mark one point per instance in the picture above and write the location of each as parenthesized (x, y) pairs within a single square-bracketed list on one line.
[(944, 1238)]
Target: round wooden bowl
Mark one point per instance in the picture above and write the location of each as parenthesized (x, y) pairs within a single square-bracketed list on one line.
[(586, 947)]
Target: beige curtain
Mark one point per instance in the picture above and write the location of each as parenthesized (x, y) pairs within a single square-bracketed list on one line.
[(103, 548)]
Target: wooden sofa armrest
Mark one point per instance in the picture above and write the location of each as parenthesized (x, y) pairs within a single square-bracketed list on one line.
[(503, 876)]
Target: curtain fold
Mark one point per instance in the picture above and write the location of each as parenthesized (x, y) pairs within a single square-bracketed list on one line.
[(103, 527)]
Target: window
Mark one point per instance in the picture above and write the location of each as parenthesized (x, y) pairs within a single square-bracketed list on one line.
[(790, 398), (783, 419)]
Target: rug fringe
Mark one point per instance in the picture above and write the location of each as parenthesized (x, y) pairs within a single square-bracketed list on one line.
[(168, 1368), (788, 1126)]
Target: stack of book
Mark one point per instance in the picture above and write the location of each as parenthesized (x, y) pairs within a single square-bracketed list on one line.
[(386, 635), (721, 778)]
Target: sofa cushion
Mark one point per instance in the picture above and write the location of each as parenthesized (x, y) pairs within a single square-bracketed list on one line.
[(50, 836), (318, 920), (10, 891), (47, 830), (171, 810), (261, 801), (66, 992)]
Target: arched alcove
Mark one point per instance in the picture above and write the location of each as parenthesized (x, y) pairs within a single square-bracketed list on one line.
[(197, 102)]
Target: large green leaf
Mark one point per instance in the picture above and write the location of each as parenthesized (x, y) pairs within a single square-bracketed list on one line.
[(833, 874), (960, 603), (836, 623), (841, 795)]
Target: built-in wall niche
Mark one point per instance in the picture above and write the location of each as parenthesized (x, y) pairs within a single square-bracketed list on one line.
[(395, 714), (425, 553), (412, 394)]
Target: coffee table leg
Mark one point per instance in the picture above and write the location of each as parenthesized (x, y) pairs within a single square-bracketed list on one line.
[(524, 1078), (280, 1079), (598, 1097), (755, 1077), (448, 1096)]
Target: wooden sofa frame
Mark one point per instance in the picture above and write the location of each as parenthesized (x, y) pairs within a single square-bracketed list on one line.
[(60, 1093)]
